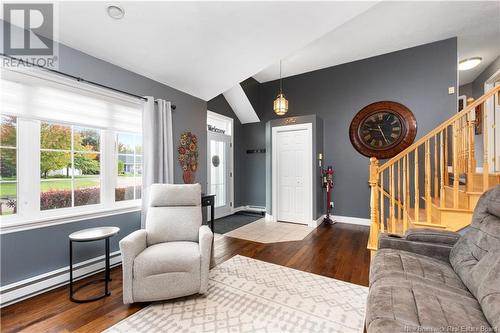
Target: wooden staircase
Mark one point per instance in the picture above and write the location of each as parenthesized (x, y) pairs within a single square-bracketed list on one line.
[(434, 183)]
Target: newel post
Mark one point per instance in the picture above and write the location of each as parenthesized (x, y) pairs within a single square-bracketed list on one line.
[(374, 213)]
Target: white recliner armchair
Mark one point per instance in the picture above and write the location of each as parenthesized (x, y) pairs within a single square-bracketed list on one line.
[(171, 257)]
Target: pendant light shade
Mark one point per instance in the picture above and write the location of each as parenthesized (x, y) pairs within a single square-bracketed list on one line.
[(280, 104)]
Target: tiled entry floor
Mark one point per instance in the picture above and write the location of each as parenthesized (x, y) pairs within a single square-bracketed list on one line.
[(263, 231)]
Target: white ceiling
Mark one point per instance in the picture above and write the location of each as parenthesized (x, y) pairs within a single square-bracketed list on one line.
[(202, 48), (392, 26)]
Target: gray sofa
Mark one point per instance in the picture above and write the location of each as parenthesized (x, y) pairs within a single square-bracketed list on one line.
[(439, 281)]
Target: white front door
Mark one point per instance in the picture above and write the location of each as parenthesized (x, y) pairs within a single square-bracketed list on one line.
[(292, 148), (219, 172)]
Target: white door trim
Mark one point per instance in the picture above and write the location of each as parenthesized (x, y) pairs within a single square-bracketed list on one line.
[(493, 149), (231, 162), (274, 162)]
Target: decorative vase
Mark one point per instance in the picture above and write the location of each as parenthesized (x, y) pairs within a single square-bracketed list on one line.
[(188, 177)]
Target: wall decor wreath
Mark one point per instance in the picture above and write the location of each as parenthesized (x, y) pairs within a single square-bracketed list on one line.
[(188, 156)]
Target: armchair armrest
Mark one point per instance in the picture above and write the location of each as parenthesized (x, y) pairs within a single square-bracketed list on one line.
[(432, 236), (436, 244), (130, 247), (206, 237)]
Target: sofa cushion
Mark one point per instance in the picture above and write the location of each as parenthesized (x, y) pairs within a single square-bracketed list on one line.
[(409, 307), (167, 258), (391, 265), (475, 257)]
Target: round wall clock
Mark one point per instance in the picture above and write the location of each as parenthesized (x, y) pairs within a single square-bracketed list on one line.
[(383, 129)]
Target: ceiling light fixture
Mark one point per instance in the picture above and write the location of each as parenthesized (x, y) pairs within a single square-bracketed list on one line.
[(115, 11), (280, 104), (469, 63)]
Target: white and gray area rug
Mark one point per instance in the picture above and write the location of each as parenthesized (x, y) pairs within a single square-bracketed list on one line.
[(248, 295)]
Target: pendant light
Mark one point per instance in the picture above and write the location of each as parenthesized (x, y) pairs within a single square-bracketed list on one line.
[(280, 104)]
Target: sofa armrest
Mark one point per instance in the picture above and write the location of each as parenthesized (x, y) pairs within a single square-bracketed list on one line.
[(130, 247), (436, 250), (206, 237), (432, 236)]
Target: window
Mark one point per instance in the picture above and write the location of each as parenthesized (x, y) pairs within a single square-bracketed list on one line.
[(70, 166), (129, 166), (8, 166), (67, 149)]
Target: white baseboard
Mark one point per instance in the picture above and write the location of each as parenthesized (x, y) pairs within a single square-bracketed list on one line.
[(257, 209), (317, 222), (351, 220), (18, 291)]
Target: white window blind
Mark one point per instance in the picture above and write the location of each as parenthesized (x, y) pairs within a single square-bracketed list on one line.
[(37, 94)]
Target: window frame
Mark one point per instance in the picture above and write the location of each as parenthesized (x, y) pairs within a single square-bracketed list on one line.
[(16, 148), (134, 155), (29, 215)]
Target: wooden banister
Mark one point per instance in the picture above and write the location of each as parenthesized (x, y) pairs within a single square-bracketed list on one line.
[(427, 163), (441, 127)]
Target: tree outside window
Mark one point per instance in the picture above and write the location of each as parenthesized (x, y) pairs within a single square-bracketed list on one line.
[(8, 165), (69, 166)]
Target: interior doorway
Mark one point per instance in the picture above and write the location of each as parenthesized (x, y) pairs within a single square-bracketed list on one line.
[(292, 186), (220, 162)]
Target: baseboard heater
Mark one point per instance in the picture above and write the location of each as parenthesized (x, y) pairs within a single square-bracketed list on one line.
[(21, 290)]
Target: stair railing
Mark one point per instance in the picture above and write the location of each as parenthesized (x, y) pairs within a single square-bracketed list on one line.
[(430, 171)]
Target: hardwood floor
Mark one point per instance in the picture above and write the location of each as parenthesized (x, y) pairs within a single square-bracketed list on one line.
[(337, 251)]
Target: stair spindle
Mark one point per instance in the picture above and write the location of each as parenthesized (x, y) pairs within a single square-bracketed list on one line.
[(471, 165), (382, 198), (398, 207), (456, 174), (486, 162), (427, 181), (392, 201), (405, 193), (417, 192), (442, 169), (436, 181)]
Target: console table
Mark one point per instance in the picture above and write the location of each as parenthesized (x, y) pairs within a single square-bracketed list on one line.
[(209, 200)]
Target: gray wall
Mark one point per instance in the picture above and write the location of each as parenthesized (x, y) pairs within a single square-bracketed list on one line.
[(317, 133), (28, 253), (478, 83), (246, 137), (418, 77), (465, 89)]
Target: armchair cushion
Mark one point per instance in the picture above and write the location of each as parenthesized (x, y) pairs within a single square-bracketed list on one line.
[(389, 267), (167, 258), (171, 224), (434, 249), (475, 257), (168, 195), (174, 213)]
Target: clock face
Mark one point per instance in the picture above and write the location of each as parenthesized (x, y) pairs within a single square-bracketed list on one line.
[(381, 130)]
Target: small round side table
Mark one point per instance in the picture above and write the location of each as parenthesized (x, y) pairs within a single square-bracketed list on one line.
[(89, 235)]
